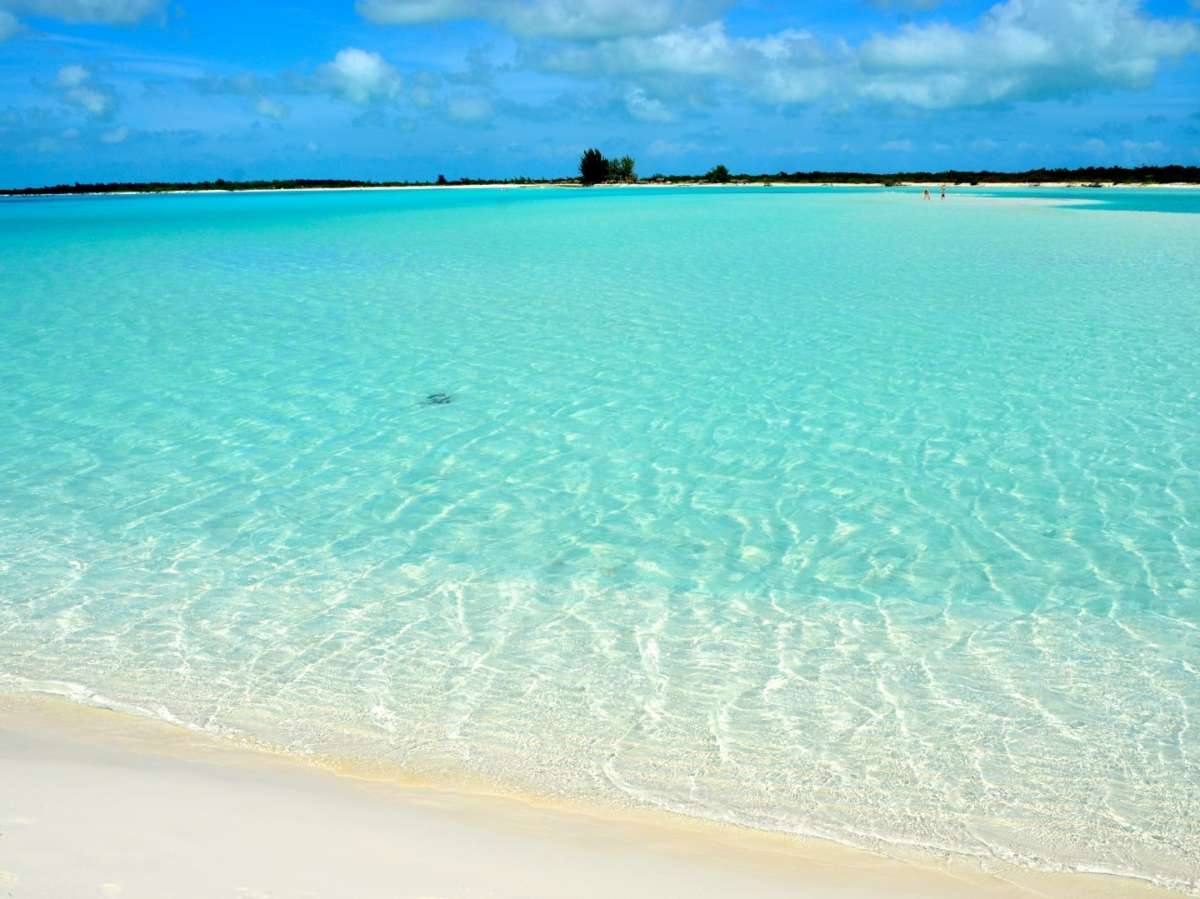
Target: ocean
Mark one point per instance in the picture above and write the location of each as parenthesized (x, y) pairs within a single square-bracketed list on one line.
[(827, 511)]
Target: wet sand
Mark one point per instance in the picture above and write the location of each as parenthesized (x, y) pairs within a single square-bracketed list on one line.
[(100, 803)]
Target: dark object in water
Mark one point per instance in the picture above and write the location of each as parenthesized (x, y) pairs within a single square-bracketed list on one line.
[(437, 399)]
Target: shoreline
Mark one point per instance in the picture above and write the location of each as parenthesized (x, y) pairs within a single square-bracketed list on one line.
[(227, 817), (1007, 185)]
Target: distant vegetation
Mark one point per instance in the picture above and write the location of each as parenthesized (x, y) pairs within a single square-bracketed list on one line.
[(595, 169), (153, 187), (717, 175), (621, 170), (1093, 176)]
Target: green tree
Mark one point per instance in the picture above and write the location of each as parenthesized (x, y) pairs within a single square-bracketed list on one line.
[(719, 174), (621, 169), (593, 167)]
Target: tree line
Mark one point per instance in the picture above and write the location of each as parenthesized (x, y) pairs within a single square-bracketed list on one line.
[(595, 168), (1146, 174), (220, 184)]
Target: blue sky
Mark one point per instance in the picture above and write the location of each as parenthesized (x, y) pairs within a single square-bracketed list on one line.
[(407, 89)]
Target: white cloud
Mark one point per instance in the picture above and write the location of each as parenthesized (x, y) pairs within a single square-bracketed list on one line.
[(113, 12), (1129, 152), (80, 89), (603, 18), (898, 146), (238, 83), (8, 25), (787, 67), (270, 109), (914, 5), (418, 12), (645, 108), (422, 97), (1138, 152), (579, 19), (361, 76), (703, 51), (1017, 50), (116, 136), (1023, 49), (662, 147), (72, 76), (424, 90), (469, 110)]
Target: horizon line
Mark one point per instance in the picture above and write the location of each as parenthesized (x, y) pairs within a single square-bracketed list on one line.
[(1144, 174)]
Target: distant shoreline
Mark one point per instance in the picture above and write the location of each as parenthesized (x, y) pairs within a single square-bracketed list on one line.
[(132, 190), (1094, 177)]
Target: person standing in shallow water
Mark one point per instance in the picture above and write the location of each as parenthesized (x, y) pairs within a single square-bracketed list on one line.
[(925, 195), (943, 191)]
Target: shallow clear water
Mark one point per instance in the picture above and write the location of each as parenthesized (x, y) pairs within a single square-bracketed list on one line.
[(826, 511)]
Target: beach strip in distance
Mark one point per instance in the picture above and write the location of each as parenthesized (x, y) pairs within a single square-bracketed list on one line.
[(982, 186)]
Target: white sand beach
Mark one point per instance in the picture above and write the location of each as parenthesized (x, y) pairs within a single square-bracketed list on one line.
[(99, 803), (640, 185)]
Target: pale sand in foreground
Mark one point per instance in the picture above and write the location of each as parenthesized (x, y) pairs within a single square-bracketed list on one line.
[(98, 803)]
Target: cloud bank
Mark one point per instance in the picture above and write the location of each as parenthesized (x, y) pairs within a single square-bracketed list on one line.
[(78, 88), (578, 19), (1023, 50), (1019, 50), (107, 12)]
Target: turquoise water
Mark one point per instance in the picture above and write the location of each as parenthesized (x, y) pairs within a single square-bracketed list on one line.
[(833, 512)]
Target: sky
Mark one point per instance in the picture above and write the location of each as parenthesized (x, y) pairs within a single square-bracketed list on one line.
[(104, 90)]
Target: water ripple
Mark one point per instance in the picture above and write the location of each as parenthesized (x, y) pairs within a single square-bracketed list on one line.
[(728, 515)]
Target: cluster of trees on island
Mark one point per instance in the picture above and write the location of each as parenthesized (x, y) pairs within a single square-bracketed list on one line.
[(595, 168)]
